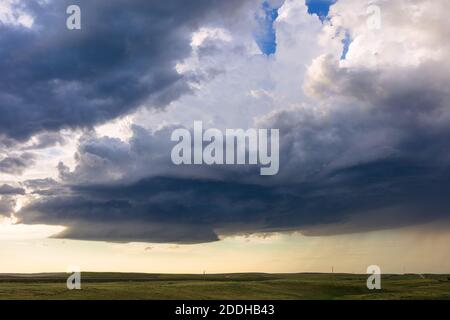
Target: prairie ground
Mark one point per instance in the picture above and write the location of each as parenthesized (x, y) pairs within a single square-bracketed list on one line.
[(249, 286)]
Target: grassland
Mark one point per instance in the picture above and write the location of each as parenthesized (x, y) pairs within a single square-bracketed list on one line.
[(134, 286)]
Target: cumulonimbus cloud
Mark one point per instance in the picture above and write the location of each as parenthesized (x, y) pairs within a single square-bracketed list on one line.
[(368, 151)]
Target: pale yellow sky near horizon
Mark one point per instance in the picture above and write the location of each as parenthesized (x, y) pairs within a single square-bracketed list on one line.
[(27, 249)]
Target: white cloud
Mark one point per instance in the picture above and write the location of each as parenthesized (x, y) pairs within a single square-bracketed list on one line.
[(11, 13)]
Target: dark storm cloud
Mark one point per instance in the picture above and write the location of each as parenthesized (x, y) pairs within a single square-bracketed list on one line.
[(7, 204), (376, 161), (124, 56), (10, 190), (45, 187), (174, 204), (46, 183), (385, 194), (46, 140), (334, 172), (16, 164)]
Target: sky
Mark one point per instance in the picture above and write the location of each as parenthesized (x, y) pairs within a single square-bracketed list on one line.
[(358, 91)]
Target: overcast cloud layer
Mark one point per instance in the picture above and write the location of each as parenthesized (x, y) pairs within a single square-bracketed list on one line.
[(364, 136)]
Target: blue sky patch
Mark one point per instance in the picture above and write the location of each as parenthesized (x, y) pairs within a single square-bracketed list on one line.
[(320, 7), (265, 36), (346, 43)]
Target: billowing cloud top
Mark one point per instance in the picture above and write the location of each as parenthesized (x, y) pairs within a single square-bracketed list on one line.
[(362, 108)]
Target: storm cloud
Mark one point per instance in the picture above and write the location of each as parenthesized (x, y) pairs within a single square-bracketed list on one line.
[(364, 141), (16, 164), (124, 56), (366, 197), (6, 189), (7, 204)]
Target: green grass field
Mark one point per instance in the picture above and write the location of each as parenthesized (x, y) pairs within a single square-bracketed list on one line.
[(133, 286)]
